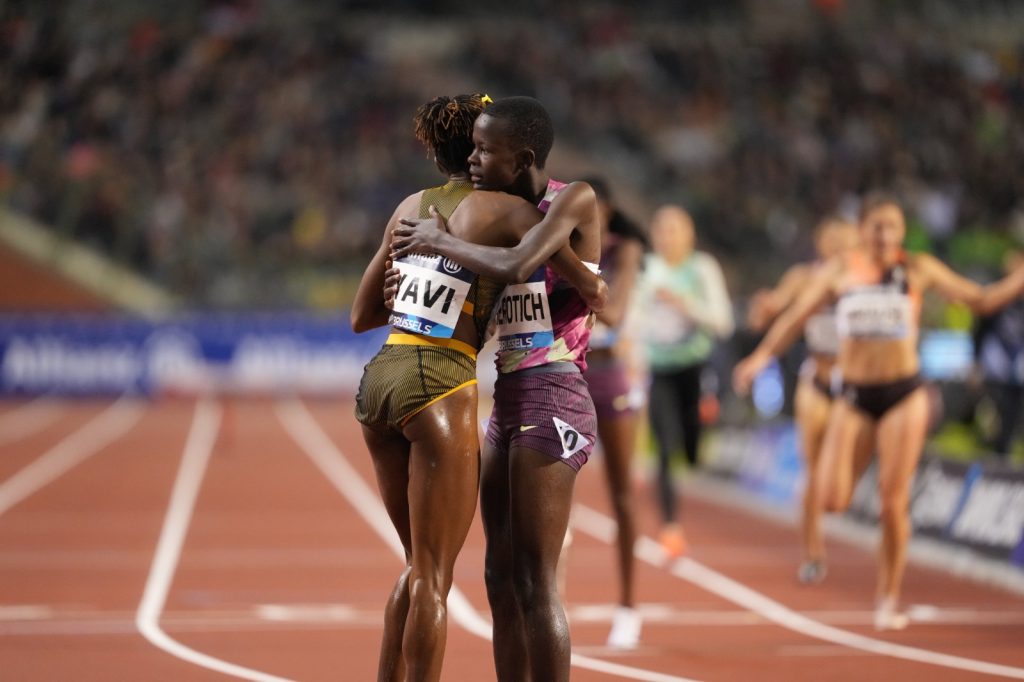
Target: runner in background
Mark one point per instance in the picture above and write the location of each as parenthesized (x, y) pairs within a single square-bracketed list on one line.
[(616, 400), (686, 311), (833, 236), (882, 403)]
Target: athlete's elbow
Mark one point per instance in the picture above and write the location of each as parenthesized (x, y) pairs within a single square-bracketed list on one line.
[(360, 321)]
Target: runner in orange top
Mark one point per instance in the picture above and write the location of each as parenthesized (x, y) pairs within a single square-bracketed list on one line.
[(833, 236), (882, 402)]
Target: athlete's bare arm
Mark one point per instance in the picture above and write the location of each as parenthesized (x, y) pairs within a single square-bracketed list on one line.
[(819, 291), (766, 305), (368, 308), (575, 207), (983, 300), (627, 268)]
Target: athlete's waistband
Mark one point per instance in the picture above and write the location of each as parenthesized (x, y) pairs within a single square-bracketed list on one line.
[(402, 339), (549, 368)]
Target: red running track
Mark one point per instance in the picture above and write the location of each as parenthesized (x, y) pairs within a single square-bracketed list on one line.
[(182, 540)]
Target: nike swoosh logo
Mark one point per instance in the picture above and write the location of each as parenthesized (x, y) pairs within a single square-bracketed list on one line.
[(527, 428)]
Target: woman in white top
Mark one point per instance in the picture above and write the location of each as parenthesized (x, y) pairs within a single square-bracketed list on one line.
[(687, 311)]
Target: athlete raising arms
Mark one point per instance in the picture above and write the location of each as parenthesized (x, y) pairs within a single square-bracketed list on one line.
[(543, 425), (882, 403), (833, 236), (417, 400)]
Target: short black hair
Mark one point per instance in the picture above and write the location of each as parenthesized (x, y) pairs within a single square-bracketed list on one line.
[(529, 124), (445, 126)]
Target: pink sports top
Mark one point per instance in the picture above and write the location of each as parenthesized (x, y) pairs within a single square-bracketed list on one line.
[(543, 320)]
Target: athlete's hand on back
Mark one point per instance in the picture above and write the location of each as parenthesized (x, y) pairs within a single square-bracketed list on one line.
[(392, 276), (418, 235), (597, 299)]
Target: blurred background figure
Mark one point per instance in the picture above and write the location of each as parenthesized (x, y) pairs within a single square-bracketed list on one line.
[(611, 379), (999, 351), (686, 311), (833, 237)]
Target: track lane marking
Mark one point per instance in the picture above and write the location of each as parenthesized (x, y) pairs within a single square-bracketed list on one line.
[(27, 419), (332, 462), (602, 527), (96, 434), (202, 437)]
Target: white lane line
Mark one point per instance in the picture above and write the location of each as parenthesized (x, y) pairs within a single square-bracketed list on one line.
[(198, 448), (27, 419), (336, 468), (602, 527), (99, 432)]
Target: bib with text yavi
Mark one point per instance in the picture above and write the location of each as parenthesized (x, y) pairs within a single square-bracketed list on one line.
[(430, 295), (523, 316)]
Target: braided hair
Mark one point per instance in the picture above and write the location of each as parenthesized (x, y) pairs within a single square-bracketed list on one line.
[(445, 126)]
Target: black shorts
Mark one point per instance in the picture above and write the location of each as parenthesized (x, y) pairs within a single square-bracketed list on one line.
[(877, 399)]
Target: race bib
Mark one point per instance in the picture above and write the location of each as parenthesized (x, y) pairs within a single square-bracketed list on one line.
[(875, 312), (522, 315), (572, 440), (821, 333), (430, 295)]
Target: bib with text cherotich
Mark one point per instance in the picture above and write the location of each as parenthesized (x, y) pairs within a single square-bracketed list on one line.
[(522, 315), (431, 293)]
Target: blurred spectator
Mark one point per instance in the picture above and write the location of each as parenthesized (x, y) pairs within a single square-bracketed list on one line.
[(241, 150), (686, 310), (999, 347)]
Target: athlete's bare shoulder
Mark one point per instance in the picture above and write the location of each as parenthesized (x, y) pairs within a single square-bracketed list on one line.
[(499, 218)]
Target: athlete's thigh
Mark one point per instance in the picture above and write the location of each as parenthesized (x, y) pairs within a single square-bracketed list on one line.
[(812, 416), (541, 499), (847, 446), (390, 454), (901, 435), (444, 471)]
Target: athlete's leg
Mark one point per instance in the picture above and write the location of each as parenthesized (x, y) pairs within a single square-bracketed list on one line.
[(390, 454), (444, 470), (618, 438), (812, 412), (689, 392), (664, 408), (509, 638), (845, 451), (901, 436), (541, 492)]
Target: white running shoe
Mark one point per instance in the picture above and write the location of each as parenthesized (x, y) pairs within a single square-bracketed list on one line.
[(812, 572), (887, 617), (625, 632)]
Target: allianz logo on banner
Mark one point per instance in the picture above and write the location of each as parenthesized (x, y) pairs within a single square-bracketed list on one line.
[(137, 357)]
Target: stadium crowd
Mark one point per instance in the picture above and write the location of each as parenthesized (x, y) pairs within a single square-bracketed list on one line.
[(238, 151)]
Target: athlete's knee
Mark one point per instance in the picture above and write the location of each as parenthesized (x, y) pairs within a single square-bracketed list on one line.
[(427, 593), (894, 507)]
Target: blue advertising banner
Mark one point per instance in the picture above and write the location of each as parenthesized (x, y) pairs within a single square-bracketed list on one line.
[(109, 354)]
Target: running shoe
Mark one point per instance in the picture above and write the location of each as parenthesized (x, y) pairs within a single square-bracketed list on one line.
[(672, 541), (625, 632), (887, 617), (812, 572)]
